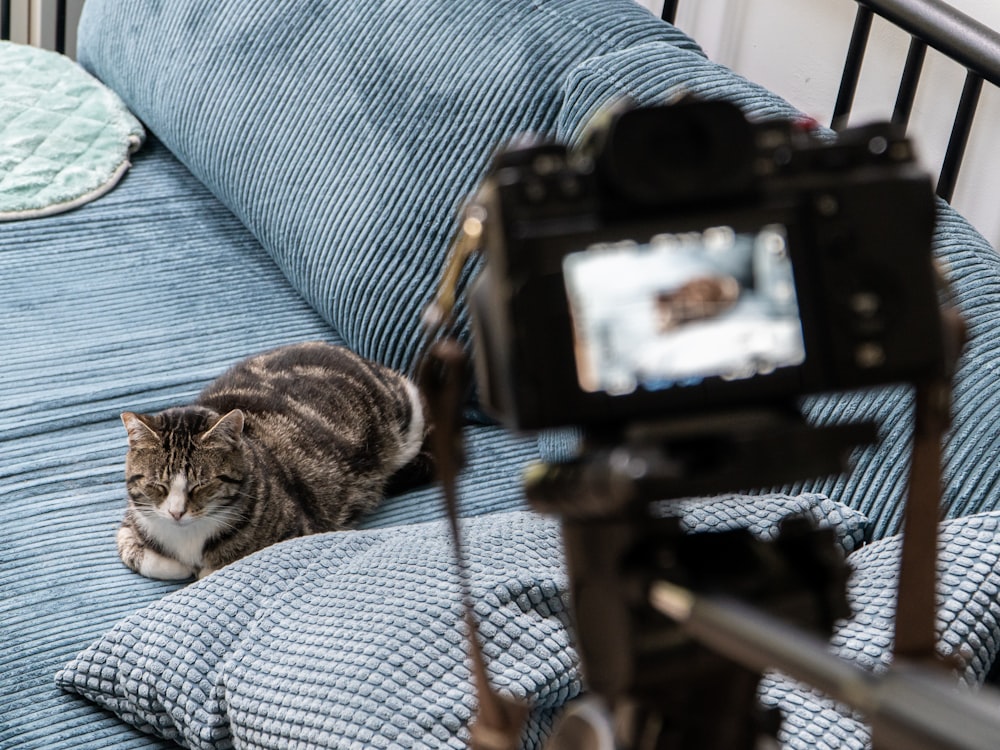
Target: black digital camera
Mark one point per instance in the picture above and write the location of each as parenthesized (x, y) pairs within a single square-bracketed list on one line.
[(683, 259)]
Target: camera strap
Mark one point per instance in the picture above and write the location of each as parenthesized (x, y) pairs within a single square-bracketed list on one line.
[(499, 721), (443, 376), (916, 603)]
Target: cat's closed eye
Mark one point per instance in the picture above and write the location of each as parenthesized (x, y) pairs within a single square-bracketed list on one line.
[(205, 489), (156, 490)]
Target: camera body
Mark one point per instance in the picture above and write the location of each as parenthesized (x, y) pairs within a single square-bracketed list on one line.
[(683, 260)]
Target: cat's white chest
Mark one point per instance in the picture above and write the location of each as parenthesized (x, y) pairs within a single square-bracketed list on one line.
[(184, 539), (183, 542)]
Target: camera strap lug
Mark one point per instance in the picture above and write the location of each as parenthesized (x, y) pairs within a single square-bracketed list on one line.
[(916, 603), (467, 242)]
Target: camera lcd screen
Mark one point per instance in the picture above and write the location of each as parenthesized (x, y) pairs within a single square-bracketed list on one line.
[(681, 308)]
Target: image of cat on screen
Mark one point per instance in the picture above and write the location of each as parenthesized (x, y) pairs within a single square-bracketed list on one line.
[(681, 308)]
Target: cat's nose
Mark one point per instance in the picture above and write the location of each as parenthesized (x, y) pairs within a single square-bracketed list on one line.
[(177, 514)]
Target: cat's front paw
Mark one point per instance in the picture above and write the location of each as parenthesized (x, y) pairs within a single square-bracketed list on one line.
[(146, 562), (155, 565)]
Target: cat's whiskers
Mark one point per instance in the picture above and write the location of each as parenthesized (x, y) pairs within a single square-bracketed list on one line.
[(226, 516)]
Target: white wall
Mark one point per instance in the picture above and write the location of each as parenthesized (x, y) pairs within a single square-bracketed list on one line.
[(797, 48)]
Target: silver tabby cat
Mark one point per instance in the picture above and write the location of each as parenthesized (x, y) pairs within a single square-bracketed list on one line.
[(294, 441)]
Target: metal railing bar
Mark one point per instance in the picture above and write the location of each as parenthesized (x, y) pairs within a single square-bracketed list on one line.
[(970, 43), (669, 13), (852, 68), (909, 81), (959, 135), (4, 19), (61, 27)]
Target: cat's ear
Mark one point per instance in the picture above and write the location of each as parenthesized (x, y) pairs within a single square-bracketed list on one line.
[(229, 428), (140, 429)]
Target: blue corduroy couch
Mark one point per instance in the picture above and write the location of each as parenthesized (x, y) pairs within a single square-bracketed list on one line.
[(301, 181)]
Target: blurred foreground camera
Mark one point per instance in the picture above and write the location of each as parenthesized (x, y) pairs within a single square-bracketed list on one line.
[(683, 259), (672, 286)]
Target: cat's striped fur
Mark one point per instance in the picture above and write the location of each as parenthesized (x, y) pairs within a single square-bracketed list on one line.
[(294, 441)]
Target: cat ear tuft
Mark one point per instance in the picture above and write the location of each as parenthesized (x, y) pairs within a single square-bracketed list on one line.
[(229, 428), (140, 429)]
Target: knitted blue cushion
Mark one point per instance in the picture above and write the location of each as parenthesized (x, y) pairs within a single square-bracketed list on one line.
[(353, 637), (760, 515), (342, 640)]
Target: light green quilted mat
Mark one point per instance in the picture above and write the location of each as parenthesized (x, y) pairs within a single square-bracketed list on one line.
[(65, 138)]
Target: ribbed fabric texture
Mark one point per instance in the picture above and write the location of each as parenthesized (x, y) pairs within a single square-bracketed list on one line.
[(391, 135), (135, 302), (877, 486), (345, 135), (654, 73), (132, 302), (353, 639)]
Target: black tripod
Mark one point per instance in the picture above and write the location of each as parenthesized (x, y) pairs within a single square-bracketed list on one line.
[(665, 689)]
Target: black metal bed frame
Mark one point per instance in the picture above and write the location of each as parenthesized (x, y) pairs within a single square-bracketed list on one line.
[(930, 23), (60, 41)]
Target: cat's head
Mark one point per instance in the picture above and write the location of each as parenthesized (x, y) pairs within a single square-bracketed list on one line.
[(184, 464)]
